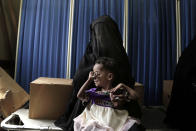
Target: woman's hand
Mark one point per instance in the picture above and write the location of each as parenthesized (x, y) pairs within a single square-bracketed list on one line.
[(118, 95), (122, 93)]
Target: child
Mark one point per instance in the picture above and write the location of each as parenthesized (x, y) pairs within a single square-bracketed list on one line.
[(104, 109)]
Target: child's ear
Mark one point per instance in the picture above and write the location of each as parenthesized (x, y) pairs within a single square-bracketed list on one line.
[(110, 76)]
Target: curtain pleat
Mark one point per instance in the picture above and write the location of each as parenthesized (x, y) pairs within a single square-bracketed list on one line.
[(152, 45), (188, 21), (85, 11), (43, 40)]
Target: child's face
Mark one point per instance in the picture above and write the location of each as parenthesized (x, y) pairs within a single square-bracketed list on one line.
[(101, 79)]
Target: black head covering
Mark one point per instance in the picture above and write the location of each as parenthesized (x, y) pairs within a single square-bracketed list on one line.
[(181, 111), (105, 41)]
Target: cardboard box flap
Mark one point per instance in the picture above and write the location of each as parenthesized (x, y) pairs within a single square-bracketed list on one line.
[(167, 89), (138, 84), (139, 88), (4, 94), (15, 97), (52, 81)]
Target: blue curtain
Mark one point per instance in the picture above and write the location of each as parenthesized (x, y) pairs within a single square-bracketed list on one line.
[(43, 40), (85, 11), (152, 44), (151, 38), (188, 21)]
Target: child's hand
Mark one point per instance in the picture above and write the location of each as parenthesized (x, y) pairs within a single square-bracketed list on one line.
[(91, 75), (118, 95), (117, 100)]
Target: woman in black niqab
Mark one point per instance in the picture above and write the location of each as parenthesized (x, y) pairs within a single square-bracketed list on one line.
[(181, 111), (105, 40)]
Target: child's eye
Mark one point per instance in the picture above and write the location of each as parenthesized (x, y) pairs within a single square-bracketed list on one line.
[(96, 74)]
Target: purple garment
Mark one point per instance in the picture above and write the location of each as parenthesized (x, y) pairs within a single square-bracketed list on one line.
[(99, 98)]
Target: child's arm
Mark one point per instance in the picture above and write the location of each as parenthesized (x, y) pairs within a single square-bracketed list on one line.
[(131, 93), (81, 92)]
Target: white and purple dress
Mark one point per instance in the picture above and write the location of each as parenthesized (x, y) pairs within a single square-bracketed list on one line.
[(101, 116)]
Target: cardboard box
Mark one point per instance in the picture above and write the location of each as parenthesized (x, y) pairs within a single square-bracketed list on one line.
[(49, 97), (167, 89), (139, 88), (12, 96)]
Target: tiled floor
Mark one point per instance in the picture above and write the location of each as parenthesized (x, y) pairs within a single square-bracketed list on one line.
[(153, 117)]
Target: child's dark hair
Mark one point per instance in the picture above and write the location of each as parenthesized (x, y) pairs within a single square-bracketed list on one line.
[(110, 65)]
